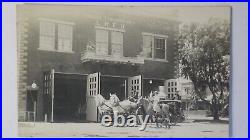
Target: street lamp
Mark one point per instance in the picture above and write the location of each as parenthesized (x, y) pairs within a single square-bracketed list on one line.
[(32, 91), (33, 85)]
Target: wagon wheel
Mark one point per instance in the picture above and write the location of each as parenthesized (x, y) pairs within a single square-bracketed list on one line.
[(166, 123), (158, 120), (173, 119)]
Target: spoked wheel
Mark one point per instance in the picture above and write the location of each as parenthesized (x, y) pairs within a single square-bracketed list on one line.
[(173, 119), (166, 123), (162, 121), (159, 121)]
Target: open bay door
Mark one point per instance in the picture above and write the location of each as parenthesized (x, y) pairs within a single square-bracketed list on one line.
[(93, 88), (135, 85)]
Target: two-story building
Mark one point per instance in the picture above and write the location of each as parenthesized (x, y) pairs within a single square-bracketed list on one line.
[(75, 52)]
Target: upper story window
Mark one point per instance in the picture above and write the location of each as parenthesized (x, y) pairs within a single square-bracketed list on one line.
[(65, 37), (102, 42), (154, 46), (160, 48), (47, 35), (109, 41), (55, 35), (116, 43)]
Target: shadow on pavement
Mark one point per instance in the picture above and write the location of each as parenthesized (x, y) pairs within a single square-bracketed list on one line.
[(211, 121)]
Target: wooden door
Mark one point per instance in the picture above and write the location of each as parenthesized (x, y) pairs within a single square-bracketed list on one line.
[(48, 95), (135, 85), (93, 88)]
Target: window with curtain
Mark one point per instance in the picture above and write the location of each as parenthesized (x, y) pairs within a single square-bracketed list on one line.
[(47, 35), (65, 33)]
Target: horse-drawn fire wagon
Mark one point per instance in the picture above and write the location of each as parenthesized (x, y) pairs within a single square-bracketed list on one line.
[(164, 112)]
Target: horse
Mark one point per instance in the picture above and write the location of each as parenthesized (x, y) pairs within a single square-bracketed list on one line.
[(145, 108), (100, 100), (124, 106)]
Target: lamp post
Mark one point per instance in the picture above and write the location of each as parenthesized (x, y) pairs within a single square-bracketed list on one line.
[(33, 91)]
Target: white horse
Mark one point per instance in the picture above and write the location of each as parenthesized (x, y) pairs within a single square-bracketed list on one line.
[(100, 100), (124, 106)]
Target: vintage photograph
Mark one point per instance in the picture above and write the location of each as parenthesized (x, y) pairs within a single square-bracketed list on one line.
[(123, 70)]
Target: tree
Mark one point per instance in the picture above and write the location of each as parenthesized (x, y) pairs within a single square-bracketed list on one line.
[(204, 51)]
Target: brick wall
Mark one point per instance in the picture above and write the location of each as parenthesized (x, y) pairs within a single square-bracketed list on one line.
[(22, 35)]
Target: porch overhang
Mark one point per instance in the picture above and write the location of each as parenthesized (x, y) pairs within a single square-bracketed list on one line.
[(92, 57)]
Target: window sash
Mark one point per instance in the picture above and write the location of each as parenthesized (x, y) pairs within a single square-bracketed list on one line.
[(65, 31), (116, 43), (116, 37), (64, 44), (159, 54), (147, 46), (47, 28), (101, 42), (47, 36), (47, 42), (160, 48), (101, 36), (154, 47), (65, 34), (160, 43)]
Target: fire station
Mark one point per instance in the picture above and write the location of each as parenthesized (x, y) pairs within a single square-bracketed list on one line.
[(72, 55)]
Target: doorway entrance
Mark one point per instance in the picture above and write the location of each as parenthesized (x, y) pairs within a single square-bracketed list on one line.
[(69, 97), (113, 85), (106, 85)]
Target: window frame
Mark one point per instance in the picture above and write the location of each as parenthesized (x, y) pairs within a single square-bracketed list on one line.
[(56, 23), (113, 43), (110, 42), (100, 41), (69, 38), (41, 47), (153, 46)]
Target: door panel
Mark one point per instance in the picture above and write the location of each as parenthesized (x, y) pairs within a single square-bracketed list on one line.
[(93, 84), (93, 88), (135, 85), (48, 95)]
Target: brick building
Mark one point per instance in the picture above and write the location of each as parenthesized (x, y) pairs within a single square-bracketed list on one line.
[(75, 52)]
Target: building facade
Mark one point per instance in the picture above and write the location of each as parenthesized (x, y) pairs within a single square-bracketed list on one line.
[(73, 53)]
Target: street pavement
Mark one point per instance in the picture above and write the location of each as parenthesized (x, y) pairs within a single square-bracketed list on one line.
[(194, 126)]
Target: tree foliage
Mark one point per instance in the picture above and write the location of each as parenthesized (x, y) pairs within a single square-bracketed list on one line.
[(204, 53)]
